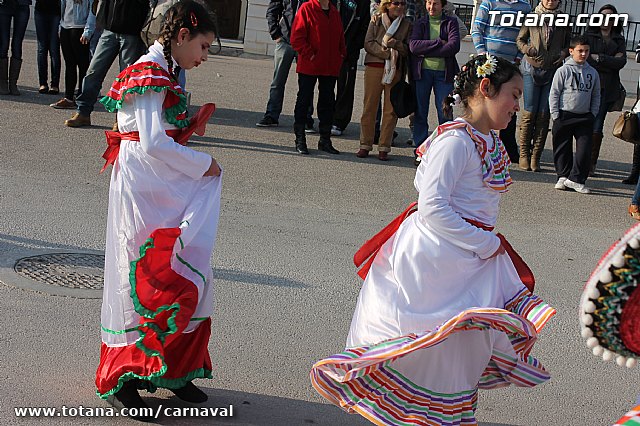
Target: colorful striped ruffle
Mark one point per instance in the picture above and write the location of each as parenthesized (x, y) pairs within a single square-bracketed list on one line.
[(362, 380), (495, 161), (531, 307), (632, 418)]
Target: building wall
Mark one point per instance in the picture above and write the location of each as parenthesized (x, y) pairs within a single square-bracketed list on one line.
[(256, 35)]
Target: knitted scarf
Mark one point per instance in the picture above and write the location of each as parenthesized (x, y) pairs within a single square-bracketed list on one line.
[(391, 63), (546, 29)]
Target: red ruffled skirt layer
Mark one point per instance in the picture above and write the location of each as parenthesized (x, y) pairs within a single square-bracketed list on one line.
[(163, 356)]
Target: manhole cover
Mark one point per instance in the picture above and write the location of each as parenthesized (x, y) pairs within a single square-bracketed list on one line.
[(71, 270)]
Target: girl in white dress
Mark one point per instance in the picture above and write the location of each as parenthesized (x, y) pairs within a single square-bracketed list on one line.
[(164, 201), (446, 306)]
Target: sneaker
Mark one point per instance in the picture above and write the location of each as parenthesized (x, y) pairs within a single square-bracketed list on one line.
[(560, 184), (267, 121), (335, 131), (309, 129), (578, 187), (64, 103), (78, 120)]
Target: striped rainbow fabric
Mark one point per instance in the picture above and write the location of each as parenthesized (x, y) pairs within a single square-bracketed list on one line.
[(362, 380), (495, 162), (632, 418)]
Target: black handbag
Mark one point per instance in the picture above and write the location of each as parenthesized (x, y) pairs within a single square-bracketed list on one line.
[(542, 77), (618, 105), (403, 99)]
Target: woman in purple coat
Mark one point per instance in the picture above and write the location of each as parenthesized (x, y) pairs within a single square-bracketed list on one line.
[(434, 43)]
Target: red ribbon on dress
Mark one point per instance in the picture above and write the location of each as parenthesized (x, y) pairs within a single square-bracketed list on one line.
[(197, 125), (372, 246), (364, 257)]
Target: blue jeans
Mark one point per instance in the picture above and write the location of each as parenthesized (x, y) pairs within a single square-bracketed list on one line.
[(430, 80), (128, 47), (95, 38), (536, 98), (283, 57), (48, 45), (20, 15)]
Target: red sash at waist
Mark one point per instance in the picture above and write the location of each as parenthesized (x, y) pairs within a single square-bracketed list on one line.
[(197, 125), (366, 254)]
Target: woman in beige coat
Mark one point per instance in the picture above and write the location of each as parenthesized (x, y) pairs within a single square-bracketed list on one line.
[(387, 50), (544, 47)]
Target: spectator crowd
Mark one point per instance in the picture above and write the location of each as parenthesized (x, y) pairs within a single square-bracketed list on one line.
[(574, 80)]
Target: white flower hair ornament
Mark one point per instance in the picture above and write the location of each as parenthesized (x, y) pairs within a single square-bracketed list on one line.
[(457, 99), (488, 67)]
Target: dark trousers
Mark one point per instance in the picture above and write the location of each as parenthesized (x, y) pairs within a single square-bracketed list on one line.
[(565, 128), (508, 137), (326, 101), (20, 16), (48, 45), (345, 93), (76, 57)]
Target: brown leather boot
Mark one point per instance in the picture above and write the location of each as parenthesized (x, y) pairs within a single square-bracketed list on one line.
[(4, 76), (526, 132), (539, 139), (596, 143), (78, 120)]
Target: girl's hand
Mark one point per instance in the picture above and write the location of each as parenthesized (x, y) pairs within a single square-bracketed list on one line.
[(500, 250), (214, 169)]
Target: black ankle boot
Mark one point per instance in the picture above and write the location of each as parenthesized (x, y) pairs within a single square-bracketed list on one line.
[(190, 393), (325, 145), (301, 139), (632, 179), (128, 397)]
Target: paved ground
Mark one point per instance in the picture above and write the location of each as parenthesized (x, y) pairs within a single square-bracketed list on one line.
[(285, 284)]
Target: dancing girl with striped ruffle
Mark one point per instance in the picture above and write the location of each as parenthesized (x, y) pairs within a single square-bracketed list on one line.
[(446, 307)]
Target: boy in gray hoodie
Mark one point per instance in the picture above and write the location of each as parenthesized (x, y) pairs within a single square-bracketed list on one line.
[(574, 101)]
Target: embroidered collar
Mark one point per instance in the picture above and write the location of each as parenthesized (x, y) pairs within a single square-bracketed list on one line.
[(495, 161)]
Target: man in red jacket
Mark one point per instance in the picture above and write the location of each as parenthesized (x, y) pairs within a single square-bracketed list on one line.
[(318, 38)]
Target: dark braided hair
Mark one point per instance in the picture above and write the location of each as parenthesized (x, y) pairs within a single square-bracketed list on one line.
[(189, 14), (466, 82)]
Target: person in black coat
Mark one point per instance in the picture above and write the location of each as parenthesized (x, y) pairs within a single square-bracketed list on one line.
[(355, 21), (608, 57)]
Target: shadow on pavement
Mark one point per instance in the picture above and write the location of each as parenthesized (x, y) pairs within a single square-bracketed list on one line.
[(254, 278), (263, 410), (345, 155)]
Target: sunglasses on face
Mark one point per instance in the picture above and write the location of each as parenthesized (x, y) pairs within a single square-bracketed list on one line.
[(399, 3)]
